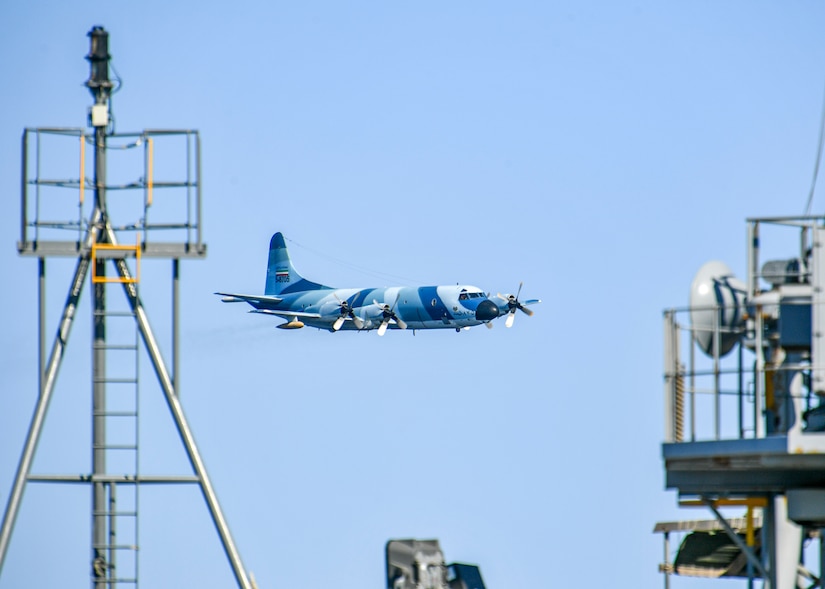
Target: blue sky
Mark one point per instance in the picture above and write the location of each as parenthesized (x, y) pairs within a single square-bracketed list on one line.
[(598, 151)]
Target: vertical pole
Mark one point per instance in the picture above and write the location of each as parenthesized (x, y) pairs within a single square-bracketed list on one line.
[(81, 185), (753, 259), (41, 322), (667, 560), (751, 542), (188, 137), (670, 378), (817, 279), (112, 568), (822, 557), (692, 387), (175, 332), (198, 171), (100, 87), (24, 187), (99, 503), (741, 392), (759, 377), (716, 376), (145, 186), (37, 185), (769, 541), (803, 250)]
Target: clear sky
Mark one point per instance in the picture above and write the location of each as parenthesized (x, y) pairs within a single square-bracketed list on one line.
[(598, 151)]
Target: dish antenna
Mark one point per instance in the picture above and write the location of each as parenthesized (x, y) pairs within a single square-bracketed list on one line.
[(717, 305)]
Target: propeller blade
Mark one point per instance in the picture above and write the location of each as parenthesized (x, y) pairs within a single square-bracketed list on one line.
[(511, 316), (513, 303), (346, 311), (388, 314)]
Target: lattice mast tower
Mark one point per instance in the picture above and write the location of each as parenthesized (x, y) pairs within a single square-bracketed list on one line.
[(96, 245)]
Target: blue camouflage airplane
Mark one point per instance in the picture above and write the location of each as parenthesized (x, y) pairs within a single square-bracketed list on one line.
[(302, 302)]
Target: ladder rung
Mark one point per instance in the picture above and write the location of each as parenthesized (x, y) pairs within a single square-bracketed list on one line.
[(114, 447), (116, 513), (114, 313), (114, 413), (114, 547), (116, 380), (128, 347)]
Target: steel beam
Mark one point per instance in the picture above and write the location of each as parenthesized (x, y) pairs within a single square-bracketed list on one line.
[(112, 478), (746, 550), (175, 330)]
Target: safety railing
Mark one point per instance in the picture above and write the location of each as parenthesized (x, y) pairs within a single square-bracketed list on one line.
[(697, 386), (58, 187), (738, 395)]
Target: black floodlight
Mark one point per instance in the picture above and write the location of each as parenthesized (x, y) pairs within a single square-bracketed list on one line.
[(98, 59)]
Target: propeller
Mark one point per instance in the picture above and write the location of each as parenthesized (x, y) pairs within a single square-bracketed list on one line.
[(346, 311), (512, 304), (388, 313)]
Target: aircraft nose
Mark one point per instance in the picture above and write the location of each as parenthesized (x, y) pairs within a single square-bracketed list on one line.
[(487, 310)]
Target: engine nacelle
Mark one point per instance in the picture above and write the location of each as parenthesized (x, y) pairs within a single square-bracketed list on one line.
[(717, 297)]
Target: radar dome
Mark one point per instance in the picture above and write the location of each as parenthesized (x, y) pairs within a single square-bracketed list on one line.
[(717, 297)]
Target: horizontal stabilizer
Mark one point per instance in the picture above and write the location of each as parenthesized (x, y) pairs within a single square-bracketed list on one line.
[(257, 301)]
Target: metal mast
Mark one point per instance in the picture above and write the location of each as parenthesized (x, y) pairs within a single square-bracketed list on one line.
[(97, 244), (100, 86)]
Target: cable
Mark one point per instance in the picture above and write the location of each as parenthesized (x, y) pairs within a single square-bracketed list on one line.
[(818, 158), (362, 269)]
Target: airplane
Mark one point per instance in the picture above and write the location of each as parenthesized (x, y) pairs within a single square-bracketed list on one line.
[(301, 302)]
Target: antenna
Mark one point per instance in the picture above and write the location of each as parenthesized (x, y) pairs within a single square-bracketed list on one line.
[(99, 243), (747, 429)]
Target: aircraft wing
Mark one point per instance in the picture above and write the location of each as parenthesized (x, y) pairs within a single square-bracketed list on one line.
[(288, 314), (257, 301)]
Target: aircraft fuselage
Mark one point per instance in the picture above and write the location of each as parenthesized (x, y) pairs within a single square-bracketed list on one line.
[(420, 307)]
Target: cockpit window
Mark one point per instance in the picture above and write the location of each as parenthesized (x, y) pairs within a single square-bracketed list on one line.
[(463, 296)]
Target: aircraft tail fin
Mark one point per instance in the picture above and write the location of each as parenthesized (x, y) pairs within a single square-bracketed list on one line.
[(281, 276)]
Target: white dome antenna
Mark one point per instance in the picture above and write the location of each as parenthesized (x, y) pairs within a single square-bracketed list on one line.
[(717, 300)]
